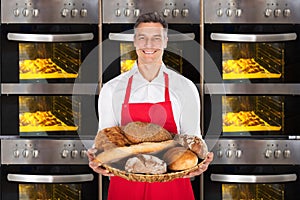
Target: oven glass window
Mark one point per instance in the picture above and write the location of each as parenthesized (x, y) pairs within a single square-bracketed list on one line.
[(252, 191), (41, 114), (172, 57), (244, 114), (252, 60), (49, 60), (49, 191)]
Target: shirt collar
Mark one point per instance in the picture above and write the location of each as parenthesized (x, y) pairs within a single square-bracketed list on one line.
[(135, 71)]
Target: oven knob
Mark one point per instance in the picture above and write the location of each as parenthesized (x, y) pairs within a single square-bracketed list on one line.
[(118, 12), (286, 153), (74, 153), (166, 12), (268, 153), (83, 12), (175, 12), (16, 12), (16, 153), (83, 153), (25, 12), (35, 12), (229, 12), (238, 153), (74, 12), (219, 12), (277, 12), (238, 12), (286, 12), (127, 12), (64, 153), (268, 12), (219, 153), (65, 12), (35, 153), (185, 12), (277, 153), (25, 153), (229, 153), (136, 12)]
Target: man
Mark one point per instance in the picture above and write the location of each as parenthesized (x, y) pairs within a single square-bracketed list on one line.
[(150, 92)]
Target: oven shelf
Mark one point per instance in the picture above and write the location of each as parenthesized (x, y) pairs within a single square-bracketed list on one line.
[(231, 76)]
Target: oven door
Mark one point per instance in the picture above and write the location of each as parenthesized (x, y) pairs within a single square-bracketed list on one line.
[(243, 53), (48, 182), (181, 54), (236, 182), (40, 114), (49, 53)]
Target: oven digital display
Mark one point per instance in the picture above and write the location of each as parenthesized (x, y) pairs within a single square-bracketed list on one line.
[(49, 191), (252, 60), (49, 60), (252, 191)]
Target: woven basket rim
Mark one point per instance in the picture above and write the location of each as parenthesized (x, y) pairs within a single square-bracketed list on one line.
[(151, 177)]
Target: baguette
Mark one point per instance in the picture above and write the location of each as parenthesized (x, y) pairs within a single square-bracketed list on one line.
[(118, 153)]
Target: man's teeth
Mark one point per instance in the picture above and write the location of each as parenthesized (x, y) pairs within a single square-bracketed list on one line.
[(149, 52)]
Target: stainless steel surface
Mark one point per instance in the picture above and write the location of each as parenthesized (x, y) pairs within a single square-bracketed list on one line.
[(255, 152), (122, 37), (50, 37), (41, 88), (50, 11), (257, 11), (233, 178), (45, 151), (257, 88), (253, 37), (175, 11), (26, 178)]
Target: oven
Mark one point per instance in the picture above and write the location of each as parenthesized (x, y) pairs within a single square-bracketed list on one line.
[(182, 52), (50, 68), (251, 92), (46, 169)]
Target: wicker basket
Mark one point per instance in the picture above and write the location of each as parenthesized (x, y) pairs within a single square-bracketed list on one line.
[(151, 178)]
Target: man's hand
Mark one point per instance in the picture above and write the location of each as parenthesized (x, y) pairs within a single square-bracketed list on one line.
[(95, 165), (202, 168)]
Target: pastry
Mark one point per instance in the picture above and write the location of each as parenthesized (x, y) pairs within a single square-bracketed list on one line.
[(180, 158), (138, 132), (146, 164), (109, 138), (193, 143)]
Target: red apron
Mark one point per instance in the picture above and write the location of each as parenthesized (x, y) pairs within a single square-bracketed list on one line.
[(159, 113)]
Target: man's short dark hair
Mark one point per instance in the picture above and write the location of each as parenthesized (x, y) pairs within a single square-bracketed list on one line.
[(154, 17)]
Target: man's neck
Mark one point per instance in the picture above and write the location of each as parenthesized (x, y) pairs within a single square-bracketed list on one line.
[(149, 71)]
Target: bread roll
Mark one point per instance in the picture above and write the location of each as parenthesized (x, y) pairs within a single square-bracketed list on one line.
[(110, 138), (138, 132), (180, 158), (146, 164), (118, 153), (193, 143)]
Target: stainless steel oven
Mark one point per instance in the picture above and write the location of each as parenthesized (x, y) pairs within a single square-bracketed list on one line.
[(46, 169), (250, 97), (182, 52)]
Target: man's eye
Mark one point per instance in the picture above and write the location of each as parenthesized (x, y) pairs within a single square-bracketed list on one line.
[(141, 38)]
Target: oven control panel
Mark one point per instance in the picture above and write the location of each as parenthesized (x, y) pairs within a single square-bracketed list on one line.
[(44, 151), (249, 151), (174, 11), (255, 11), (50, 11)]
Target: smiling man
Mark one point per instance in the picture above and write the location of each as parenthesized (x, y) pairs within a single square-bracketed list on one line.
[(150, 92)]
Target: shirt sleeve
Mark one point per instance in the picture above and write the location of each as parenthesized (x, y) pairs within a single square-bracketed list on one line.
[(190, 110), (107, 118)]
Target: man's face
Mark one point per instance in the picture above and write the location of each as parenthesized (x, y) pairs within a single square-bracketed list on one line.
[(150, 40)]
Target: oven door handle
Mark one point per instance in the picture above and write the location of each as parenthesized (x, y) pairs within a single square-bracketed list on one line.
[(50, 178), (282, 37), (124, 37), (24, 37), (233, 178)]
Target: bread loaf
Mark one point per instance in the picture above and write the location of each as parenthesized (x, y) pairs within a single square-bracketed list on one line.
[(180, 158), (193, 143), (146, 164), (118, 153), (138, 132)]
